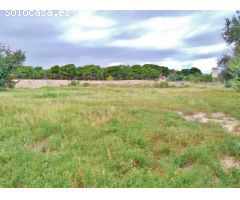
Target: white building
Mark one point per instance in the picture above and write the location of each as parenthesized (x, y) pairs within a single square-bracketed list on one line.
[(214, 72)]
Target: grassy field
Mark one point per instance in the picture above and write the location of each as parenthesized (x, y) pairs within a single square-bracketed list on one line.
[(116, 136)]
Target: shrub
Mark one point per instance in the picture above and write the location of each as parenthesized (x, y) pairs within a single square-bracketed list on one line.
[(227, 84), (163, 84), (178, 77), (74, 83), (233, 147), (235, 84), (199, 78), (86, 84), (233, 67), (51, 95), (109, 78)]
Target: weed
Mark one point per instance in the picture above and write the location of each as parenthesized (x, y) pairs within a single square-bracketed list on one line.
[(74, 83), (116, 136)]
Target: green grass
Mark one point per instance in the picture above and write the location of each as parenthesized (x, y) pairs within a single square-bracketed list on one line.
[(115, 136)]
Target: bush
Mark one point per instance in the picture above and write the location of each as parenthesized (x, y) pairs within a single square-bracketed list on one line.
[(74, 83), (233, 67), (199, 78), (227, 84), (109, 78), (235, 84), (178, 77), (86, 84), (164, 84)]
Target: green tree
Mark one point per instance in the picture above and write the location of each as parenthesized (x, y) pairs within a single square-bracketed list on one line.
[(119, 72), (136, 72), (8, 61), (161, 69), (191, 71), (54, 72), (90, 72), (68, 71), (185, 72), (222, 66), (231, 32), (233, 67), (230, 64), (195, 70), (231, 35), (23, 72), (39, 73)]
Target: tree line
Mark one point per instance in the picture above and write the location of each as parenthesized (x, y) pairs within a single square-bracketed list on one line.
[(96, 72), (91, 72), (11, 68)]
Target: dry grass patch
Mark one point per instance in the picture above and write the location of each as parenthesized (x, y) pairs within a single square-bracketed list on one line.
[(116, 136)]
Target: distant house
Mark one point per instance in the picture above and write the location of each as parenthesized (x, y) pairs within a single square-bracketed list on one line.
[(214, 72)]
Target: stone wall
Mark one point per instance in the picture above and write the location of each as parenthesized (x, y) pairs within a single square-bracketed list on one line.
[(44, 83)]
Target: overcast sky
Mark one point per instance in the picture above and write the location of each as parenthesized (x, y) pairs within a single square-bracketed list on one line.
[(177, 39)]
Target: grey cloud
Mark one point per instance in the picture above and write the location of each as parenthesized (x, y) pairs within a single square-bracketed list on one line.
[(126, 35), (138, 15), (104, 55), (204, 39), (100, 54), (38, 36), (27, 27), (123, 35)]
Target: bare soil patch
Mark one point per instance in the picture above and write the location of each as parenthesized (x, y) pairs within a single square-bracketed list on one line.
[(228, 123), (229, 162), (40, 148)]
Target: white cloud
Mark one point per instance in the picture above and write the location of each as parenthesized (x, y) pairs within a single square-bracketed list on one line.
[(158, 33), (205, 49), (169, 32), (161, 33), (204, 64), (86, 26), (76, 34), (115, 63), (88, 19)]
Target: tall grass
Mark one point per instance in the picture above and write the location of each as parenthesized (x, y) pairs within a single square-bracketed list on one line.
[(104, 136)]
